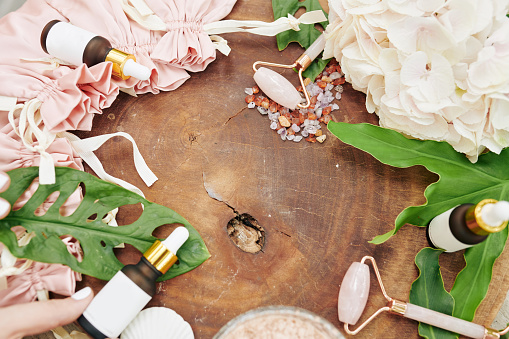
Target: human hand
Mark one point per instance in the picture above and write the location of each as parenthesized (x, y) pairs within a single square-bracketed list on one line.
[(21, 320)]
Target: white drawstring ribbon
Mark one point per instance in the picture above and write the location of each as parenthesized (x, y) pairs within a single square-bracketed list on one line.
[(130, 90), (139, 11), (85, 149), (220, 44), (28, 130), (264, 28), (54, 63)]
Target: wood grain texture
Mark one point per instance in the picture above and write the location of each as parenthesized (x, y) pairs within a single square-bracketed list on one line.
[(318, 203)]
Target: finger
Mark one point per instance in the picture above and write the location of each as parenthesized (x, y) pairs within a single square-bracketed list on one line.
[(5, 181), (41, 316), (5, 208)]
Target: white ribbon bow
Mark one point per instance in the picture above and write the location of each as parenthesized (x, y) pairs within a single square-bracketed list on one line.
[(28, 130)]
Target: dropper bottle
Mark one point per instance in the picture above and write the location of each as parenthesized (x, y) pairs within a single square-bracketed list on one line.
[(125, 295), (467, 225), (75, 45)]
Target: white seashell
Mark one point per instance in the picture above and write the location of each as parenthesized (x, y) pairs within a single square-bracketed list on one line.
[(158, 323)]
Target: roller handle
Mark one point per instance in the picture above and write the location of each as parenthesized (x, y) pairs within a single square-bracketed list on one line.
[(316, 48), (444, 321)]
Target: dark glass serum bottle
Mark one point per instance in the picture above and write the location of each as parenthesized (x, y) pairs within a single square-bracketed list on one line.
[(467, 225), (76, 46), (125, 295)]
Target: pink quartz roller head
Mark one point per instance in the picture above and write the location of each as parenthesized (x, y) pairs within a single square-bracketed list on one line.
[(353, 296), (279, 88)]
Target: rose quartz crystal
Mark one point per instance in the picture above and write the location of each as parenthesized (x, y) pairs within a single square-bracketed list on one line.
[(353, 293), (277, 87)]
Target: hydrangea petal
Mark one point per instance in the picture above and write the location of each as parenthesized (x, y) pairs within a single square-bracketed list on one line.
[(419, 34), (459, 17), (405, 7)]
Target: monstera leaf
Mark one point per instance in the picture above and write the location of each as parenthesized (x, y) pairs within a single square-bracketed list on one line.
[(305, 36), (85, 224)]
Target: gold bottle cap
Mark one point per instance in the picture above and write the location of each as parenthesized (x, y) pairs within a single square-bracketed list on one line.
[(160, 257), (119, 58), (476, 223)]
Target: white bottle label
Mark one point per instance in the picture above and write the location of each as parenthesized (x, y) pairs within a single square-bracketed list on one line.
[(116, 305), (440, 233), (67, 42)]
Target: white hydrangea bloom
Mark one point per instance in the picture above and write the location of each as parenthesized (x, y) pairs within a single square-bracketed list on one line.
[(431, 69)]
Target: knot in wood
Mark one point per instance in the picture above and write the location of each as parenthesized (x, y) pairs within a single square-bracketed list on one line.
[(246, 233)]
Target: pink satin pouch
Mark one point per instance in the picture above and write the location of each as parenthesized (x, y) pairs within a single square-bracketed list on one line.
[(185, 44), (16, 155)]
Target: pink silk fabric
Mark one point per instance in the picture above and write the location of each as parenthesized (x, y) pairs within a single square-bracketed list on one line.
[(56, 278)]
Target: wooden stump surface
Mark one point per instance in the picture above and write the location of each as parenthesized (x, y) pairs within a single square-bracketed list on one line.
[(319, 204)]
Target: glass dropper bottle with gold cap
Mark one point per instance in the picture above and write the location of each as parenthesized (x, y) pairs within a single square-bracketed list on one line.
[(468, 224), (125, 295), (77, 46)]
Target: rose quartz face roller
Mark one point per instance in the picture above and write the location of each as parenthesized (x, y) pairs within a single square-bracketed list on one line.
[(353, 296), (277, 87)]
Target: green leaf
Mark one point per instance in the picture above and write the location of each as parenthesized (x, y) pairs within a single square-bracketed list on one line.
[(428, 291), (472, 282), (469, 289), (459, 181), (96, 238), (305, 36)]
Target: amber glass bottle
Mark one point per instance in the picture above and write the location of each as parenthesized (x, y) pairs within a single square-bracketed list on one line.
[(77, 46), (467, 225)]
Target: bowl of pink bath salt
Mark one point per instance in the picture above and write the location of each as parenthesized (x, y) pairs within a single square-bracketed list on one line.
[(279, 322)]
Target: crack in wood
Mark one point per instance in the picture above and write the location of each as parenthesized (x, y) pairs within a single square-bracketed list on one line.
[(233, 116)]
